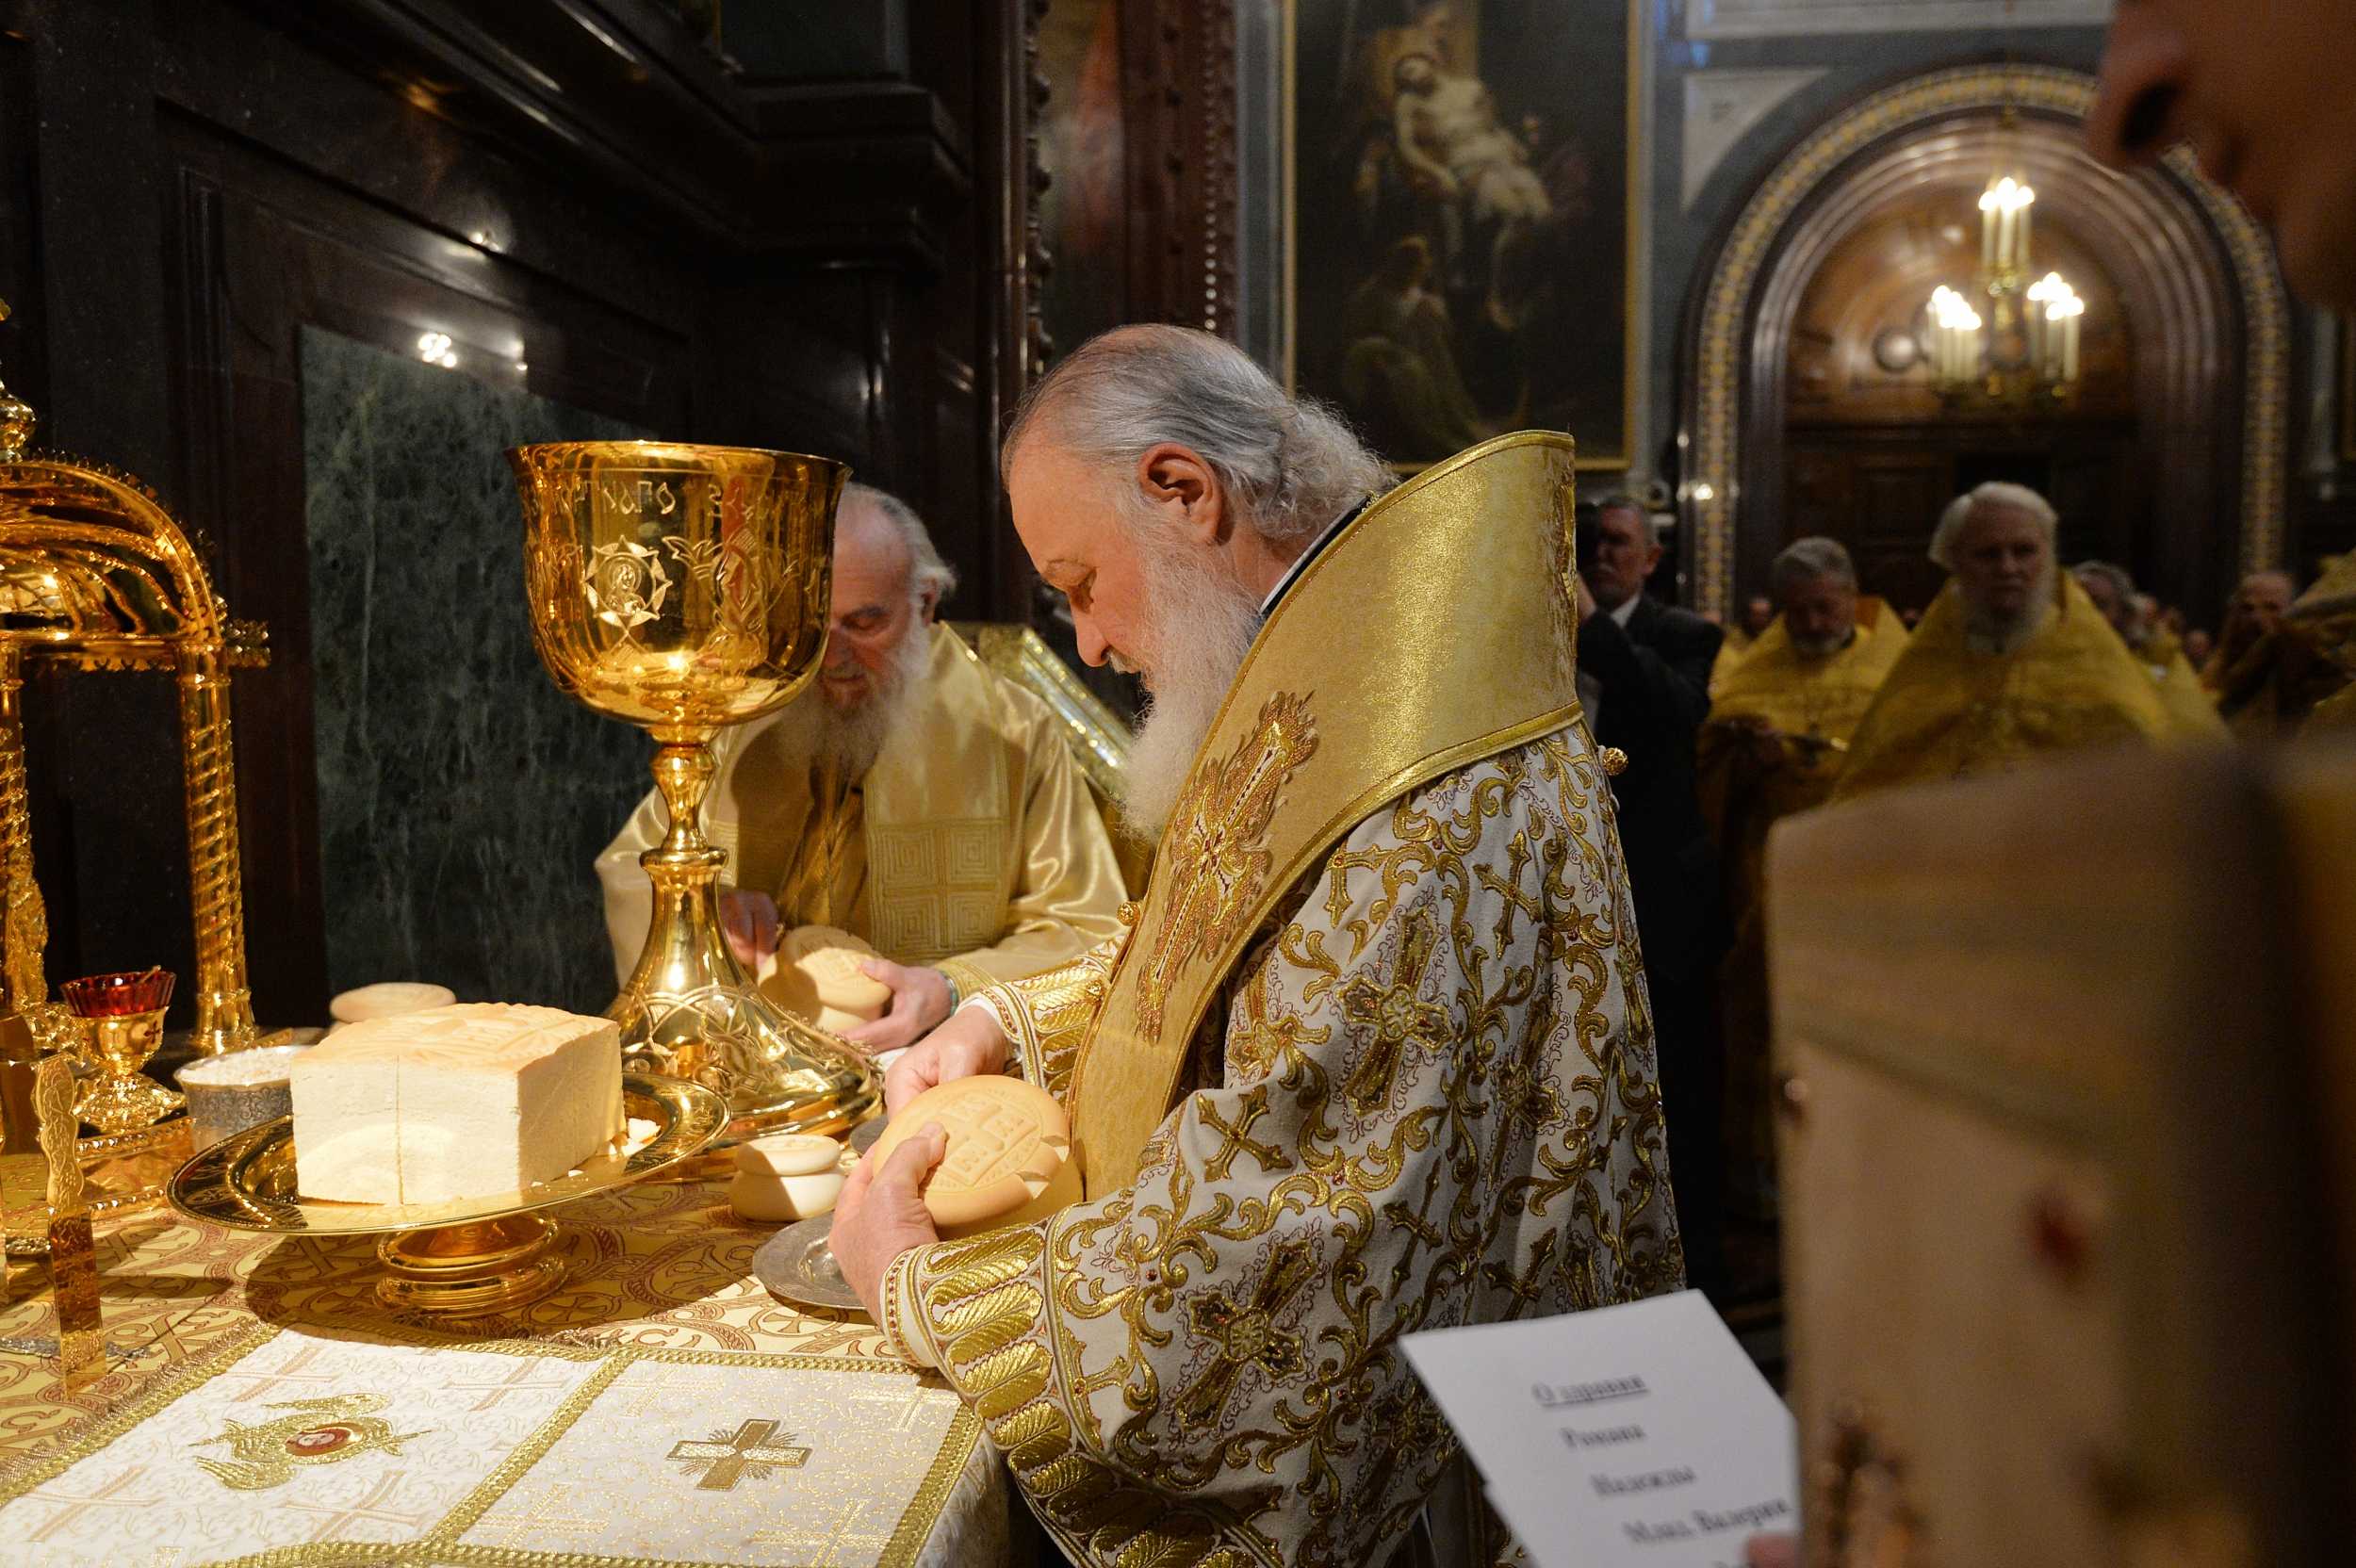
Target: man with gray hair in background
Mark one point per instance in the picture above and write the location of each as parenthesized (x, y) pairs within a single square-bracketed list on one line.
[(1372, 1054), (2133, 617), (1777, 737), (911, 801), (2013, 660)]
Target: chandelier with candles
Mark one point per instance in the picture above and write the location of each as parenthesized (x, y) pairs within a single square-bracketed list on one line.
[(2005, 340)]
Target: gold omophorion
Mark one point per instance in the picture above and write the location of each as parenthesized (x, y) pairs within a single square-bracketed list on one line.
[(93, 570)]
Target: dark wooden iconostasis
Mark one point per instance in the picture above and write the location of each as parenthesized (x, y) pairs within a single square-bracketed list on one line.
[(227, 228)]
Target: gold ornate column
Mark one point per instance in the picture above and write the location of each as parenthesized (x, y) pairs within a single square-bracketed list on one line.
[(224, 1009), (25, 927)]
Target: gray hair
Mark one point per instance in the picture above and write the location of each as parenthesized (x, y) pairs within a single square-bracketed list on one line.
[(1995, 493), (2122, 585), (928, 572), (1290, 465), (1808, 559), (1620, 500)]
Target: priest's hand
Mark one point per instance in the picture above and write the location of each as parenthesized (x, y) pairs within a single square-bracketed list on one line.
[(920, 1001), (967, 1046), (1772, 1551), (880, 1213), (750, 922)]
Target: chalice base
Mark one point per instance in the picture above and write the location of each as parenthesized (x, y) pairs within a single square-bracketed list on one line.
[(473, 1270), (125, 1103), (691, 1011), (777, 1072)]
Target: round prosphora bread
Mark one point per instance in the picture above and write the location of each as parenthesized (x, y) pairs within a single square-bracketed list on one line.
[(1010, 1158), (818, 976), (786, 1176), (388, 999)]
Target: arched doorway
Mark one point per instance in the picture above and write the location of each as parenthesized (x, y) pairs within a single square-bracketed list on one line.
[(2183, 426)]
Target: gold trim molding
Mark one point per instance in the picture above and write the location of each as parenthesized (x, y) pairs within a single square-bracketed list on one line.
[(1756, 240)]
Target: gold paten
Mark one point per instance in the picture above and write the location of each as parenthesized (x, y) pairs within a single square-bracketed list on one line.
[(684, 588), (464, 1258), (93, 570)]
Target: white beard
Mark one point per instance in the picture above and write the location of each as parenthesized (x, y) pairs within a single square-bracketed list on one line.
[(1202, 626), (1985, 632), (851, 739)]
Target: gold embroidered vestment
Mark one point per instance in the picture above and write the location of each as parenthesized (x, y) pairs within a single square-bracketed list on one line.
[(972, 845), (1374, 1057)]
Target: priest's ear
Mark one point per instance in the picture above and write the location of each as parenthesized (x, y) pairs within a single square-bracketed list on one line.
[(1181, 489)]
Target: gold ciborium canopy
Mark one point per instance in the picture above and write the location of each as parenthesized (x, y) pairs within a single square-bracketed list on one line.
[(684, 588)]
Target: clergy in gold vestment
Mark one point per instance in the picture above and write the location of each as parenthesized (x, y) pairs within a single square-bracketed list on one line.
[(1374, 1054), (1777, 735), (911, 797), (2154, 647), (2012, 661)]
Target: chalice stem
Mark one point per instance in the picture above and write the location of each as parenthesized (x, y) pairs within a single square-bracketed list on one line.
[(686, 948)]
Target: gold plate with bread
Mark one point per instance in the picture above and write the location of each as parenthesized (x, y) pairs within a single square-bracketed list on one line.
[(460, 1257)]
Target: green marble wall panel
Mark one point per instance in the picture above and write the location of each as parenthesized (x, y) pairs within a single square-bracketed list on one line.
[(461, 798)]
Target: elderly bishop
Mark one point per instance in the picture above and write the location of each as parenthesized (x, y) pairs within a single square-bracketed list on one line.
[(1373, 1056), (912, 798)]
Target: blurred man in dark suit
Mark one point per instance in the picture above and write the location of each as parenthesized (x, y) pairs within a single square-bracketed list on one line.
[(1644, 675)]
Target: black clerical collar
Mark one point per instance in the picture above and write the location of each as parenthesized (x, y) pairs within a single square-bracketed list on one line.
[(1292, 573)]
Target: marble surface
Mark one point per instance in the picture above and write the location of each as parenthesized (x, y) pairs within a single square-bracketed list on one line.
[(461, 798)]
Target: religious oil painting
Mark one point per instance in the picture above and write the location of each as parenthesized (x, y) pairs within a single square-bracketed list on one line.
[(1461, 181), (1083, 213)]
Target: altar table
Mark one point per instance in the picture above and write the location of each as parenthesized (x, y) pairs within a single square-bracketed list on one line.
[(259, 1406)]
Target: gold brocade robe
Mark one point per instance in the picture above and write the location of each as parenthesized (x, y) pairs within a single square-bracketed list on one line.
[(1732, 649), (972, 845), (1817, 703), (1948, 710), (1375, 1057), (2187, 701)]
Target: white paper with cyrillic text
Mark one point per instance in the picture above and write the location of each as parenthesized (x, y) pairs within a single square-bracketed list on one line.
[(1635, 1436)]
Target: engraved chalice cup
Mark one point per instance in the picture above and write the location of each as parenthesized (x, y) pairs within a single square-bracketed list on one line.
[(685, 588)]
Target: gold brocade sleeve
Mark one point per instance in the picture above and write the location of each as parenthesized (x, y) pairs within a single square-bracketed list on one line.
[(1071, 884), (1046, 1015), (1433, 1103)]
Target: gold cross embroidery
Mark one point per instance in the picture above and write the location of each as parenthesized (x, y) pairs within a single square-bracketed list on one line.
[(1239, 1139), (729, 1457), (1245, 1334), (1390, 1016)]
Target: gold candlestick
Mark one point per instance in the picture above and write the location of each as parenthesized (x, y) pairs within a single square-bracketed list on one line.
[(685, 588)]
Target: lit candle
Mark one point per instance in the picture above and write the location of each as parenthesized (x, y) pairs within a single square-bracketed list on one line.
[(1988, 231), (2069, 348), (2028, 204)]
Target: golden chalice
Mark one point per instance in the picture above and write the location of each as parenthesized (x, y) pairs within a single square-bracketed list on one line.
[(685, 588)]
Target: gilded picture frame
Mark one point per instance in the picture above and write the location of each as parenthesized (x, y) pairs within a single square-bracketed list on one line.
[(1445, 195)]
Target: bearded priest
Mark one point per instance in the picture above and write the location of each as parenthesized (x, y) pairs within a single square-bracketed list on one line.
[(2012, 661), (1373, 1056), (911, 797)]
